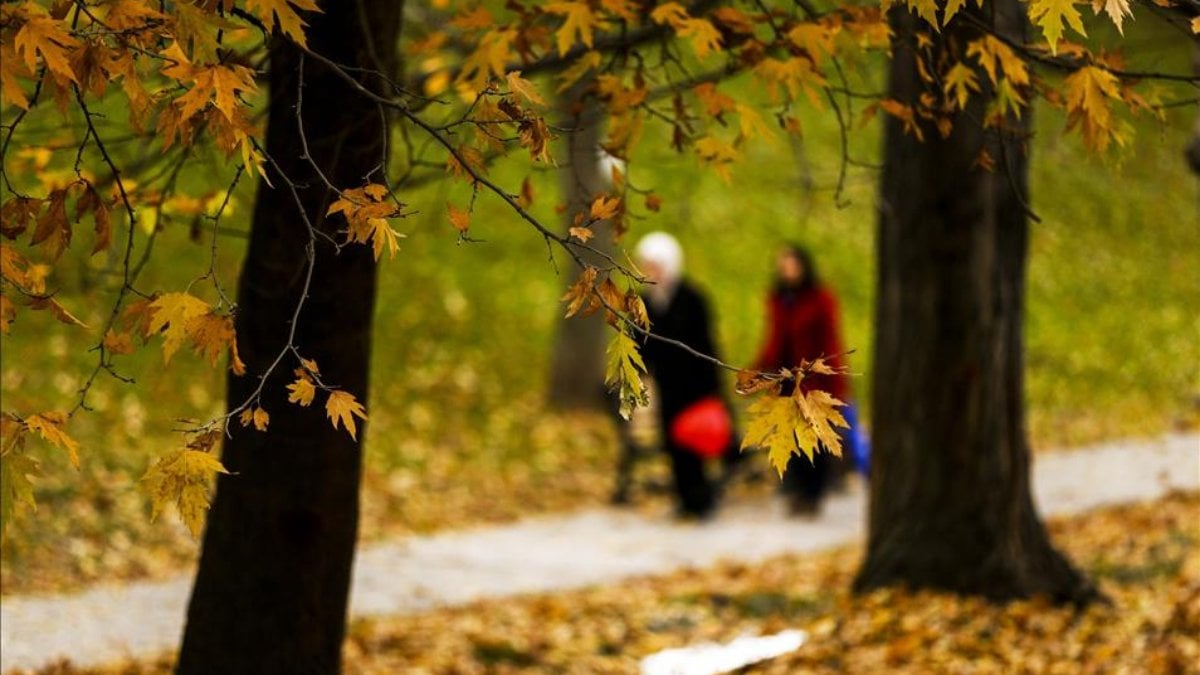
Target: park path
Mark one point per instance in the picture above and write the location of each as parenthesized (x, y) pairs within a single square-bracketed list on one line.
[(108, 623)]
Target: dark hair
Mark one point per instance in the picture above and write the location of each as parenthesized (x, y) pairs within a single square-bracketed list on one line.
[(806, 261)]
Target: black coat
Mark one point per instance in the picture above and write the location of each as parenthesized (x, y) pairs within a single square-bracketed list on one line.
[(682, 378)]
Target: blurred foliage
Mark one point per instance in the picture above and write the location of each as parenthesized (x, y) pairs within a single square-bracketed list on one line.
[(1145, 558), (458, 429)]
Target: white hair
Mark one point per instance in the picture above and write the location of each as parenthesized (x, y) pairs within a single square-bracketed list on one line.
[(663, 250)]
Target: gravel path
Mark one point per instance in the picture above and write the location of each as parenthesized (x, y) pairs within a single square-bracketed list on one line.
[(108, 623)]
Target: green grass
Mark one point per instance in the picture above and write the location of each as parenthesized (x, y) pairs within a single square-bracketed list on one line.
[(459, 432)]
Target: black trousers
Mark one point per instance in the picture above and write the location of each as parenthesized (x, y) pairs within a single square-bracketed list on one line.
[(808, 479), (694, 492)]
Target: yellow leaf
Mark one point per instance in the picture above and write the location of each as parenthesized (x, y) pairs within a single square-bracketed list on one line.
[(118, 343), (718, 154), (583, 234), (623, 373), (669, 13), (16, 490), (184, 477), (704, 36), (605, 207), (1051, 15), (814, 38), (581, 291), (193, 505), (577, 26), (959, 82), (343, 407), (524, 88), (50, 426), (51, 39), (261, 419), (246, 417), (995, 57), (927, 10), (172, 314), (1088, 92), (12, 71), (582, 66), (268, 11), (460, 219), (302, 391), (1116, 10)]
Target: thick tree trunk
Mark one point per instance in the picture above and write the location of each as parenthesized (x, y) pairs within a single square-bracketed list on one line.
[(577, 365), (271, 592), (951, 506)]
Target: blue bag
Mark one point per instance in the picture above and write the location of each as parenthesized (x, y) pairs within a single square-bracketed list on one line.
[(856, 441)]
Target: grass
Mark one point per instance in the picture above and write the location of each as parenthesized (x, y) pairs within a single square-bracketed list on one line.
[(459, 430)]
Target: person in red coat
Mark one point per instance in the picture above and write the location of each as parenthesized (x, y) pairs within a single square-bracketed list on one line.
[(803, 322)]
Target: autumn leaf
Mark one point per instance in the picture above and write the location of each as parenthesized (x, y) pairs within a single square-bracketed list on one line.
[(16, 490), (581, 292), (118, 343), (583, 234), (51, 427), (342, 408), (1051, 15), (623, 372), (172, 315), (8, 313), (184, 477), (302, 391), (1088, 92), (1116, 10), (958, 84), (45, 36), (290, 23), (577, 26), (460, 219), (261, 419), (605, 207), (524, 88)]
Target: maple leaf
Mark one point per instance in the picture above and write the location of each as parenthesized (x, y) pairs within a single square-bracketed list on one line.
[(815, 39), (718, 154), (959, 82), (366, 210), (50, 426), (343, 407), (261, 419), (49, 38), (927, 10), (704, 36), (1051, 15), (524, 88), (669, 13), (1088, 92), (16, 490), (623, 373), (1116, 10), (271, 11), (995, 57), (580, 291), (118, 343), (489, 59), (583, 234), (459, 218), (582, 66), (12, 71), (302, 390), (172, 315), (184, 477), (605, 207), (578, 24)]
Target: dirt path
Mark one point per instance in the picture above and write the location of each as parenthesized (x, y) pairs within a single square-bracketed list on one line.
[(108, 623)]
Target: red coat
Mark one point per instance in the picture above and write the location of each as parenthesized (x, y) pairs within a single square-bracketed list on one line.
[(805, 325)]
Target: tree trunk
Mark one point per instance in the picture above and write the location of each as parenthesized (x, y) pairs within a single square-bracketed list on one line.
[(577, 365), (272, 588), (950, 503)]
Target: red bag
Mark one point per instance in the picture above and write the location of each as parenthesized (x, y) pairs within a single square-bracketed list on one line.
[(703, 428)]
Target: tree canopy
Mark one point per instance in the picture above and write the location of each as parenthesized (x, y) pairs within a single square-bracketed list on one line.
[(108, 105)]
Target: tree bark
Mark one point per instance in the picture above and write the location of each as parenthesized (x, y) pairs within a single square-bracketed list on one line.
[(577, 363), (950, 504), (271, 592)]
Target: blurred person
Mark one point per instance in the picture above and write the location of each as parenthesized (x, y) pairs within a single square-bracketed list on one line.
[(694, 419), (803, 322)]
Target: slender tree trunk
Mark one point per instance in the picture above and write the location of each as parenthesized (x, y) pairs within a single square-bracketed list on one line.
[(577, 366), (951, 506), (271, 592)]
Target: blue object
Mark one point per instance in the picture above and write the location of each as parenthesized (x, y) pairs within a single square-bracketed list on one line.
[(855, 438)]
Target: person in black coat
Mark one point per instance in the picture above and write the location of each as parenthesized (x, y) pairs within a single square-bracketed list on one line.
[(678, 311)]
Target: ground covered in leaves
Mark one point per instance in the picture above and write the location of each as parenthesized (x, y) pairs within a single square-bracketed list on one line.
[(1145, 557)]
